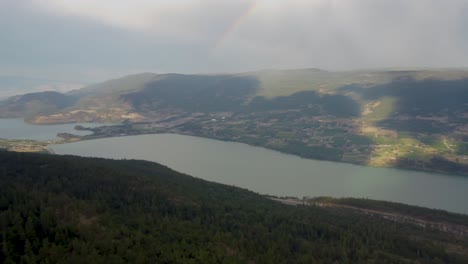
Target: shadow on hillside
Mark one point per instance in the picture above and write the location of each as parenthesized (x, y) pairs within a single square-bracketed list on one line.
[(195, 93), (310, 103), (304, 118), (436, 163), (425, 110), (292, 116), (33, 104), (423, 98)]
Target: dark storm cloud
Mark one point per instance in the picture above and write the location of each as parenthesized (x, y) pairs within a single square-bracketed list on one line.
[(98, 39)]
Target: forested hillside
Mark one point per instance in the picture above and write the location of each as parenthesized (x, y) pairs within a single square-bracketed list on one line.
[(65, 209)]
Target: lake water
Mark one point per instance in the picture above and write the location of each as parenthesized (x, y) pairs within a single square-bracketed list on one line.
[(18, 129), (269, 172)]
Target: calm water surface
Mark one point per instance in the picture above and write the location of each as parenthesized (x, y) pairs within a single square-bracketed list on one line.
[(18, 129), (269, 172)]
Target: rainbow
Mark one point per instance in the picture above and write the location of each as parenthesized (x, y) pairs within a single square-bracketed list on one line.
[(249, 11)]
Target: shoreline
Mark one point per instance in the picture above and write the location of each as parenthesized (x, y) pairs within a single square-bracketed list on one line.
[(401, 168), (408, 165), (445, 173)]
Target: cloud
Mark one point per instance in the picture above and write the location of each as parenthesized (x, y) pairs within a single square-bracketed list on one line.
[(95, 39), (180, 19)]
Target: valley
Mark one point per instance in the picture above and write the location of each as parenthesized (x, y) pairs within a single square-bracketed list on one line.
[(229, 132), (412, 119), (340, 139)]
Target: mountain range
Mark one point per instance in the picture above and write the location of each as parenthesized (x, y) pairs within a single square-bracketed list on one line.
[(17, 85), (412, 118), (443, 90)]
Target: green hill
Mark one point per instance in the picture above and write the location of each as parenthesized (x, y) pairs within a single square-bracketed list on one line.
[(409, 118), (32, 104), (412, 92), (15, 85), (65, 209)]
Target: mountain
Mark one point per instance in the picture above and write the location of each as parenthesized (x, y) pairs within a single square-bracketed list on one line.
[(16, 85), (65, 209), (273, 90), (32, 104), (414, 119)]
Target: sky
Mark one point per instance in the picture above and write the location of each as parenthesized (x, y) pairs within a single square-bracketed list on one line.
[(90, 40)]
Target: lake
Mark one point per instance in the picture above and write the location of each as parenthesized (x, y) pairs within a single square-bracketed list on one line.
[(270, 172), (18, 129)]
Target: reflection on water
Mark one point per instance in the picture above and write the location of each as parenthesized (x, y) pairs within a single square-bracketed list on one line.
[(18, 129), (269, 172)]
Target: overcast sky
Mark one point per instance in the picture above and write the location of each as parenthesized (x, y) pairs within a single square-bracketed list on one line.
[(92, 40)]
